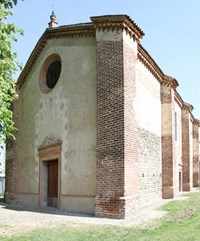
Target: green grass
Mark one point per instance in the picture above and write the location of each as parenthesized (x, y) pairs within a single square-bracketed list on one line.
[(182, 222)]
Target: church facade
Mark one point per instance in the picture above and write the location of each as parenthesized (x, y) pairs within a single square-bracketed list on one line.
[(101, 129)]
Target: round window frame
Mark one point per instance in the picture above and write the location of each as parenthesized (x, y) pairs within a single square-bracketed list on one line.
[(43, 73)]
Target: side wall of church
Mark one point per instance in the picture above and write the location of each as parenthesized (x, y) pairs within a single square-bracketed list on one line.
[(149, 124), (67, 113), (177, 137)]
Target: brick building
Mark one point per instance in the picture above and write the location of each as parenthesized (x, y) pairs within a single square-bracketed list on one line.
[(101, 129)]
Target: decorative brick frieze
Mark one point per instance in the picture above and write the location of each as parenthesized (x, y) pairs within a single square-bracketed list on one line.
[(12, 160), (149, 62), (187, 107), (178, 99), (116, 22), (169, 81)]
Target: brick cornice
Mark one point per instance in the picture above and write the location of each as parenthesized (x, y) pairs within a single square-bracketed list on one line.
[(149, 62), (169, 81), (178, 99), (68, 31), (187, 107), (124, 22), (195, 121)]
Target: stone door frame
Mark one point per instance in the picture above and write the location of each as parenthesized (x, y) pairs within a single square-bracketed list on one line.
[(48, 151)]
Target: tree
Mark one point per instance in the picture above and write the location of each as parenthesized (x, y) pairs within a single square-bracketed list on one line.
[(8, 3), (8, 67)]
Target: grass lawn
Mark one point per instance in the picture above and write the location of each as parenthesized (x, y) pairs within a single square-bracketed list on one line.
[(182, 222)]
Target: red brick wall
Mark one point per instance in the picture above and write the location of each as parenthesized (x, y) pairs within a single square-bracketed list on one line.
[(186, 150), (167, 143), (131, 130), (117, 137), (110, 130), (11, 161), (195, 155)]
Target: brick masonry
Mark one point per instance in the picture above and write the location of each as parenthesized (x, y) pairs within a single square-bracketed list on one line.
[(131, 128), (150, 167), (117, 128), (12, 149), (110, 129), (167, 142), (195, 154), (186, 149)]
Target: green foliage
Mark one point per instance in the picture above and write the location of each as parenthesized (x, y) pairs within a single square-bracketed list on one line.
[(8, 3), (8, 67), (1, 199)]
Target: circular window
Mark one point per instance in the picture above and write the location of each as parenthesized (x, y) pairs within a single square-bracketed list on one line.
[(50, 73), (53, 74)]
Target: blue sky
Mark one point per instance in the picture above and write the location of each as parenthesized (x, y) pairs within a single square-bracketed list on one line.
[(172, 32)]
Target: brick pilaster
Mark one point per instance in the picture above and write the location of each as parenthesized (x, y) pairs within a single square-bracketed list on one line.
[(167, 142), (131, 131), (116, 169), (186, 142), (110, 130), (11, 161), (196, 153)]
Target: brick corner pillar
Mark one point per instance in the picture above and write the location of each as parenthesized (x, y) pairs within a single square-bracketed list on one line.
[(116, 152), (167, 97), (196, 160), (11, 161), (187, 141)]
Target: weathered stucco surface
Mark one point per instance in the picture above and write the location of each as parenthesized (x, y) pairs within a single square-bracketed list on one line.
[(67, 113), (149, 122)]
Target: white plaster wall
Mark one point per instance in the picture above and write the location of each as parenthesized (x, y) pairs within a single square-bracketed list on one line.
[(67, 113), (148, 100), (149, 121)]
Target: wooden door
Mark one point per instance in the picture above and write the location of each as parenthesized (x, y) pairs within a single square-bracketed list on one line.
[(53, 183)]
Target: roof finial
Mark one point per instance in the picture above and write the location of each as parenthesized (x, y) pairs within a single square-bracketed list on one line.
[(53, 22)]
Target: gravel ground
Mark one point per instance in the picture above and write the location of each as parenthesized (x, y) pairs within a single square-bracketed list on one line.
[(18, 219)]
